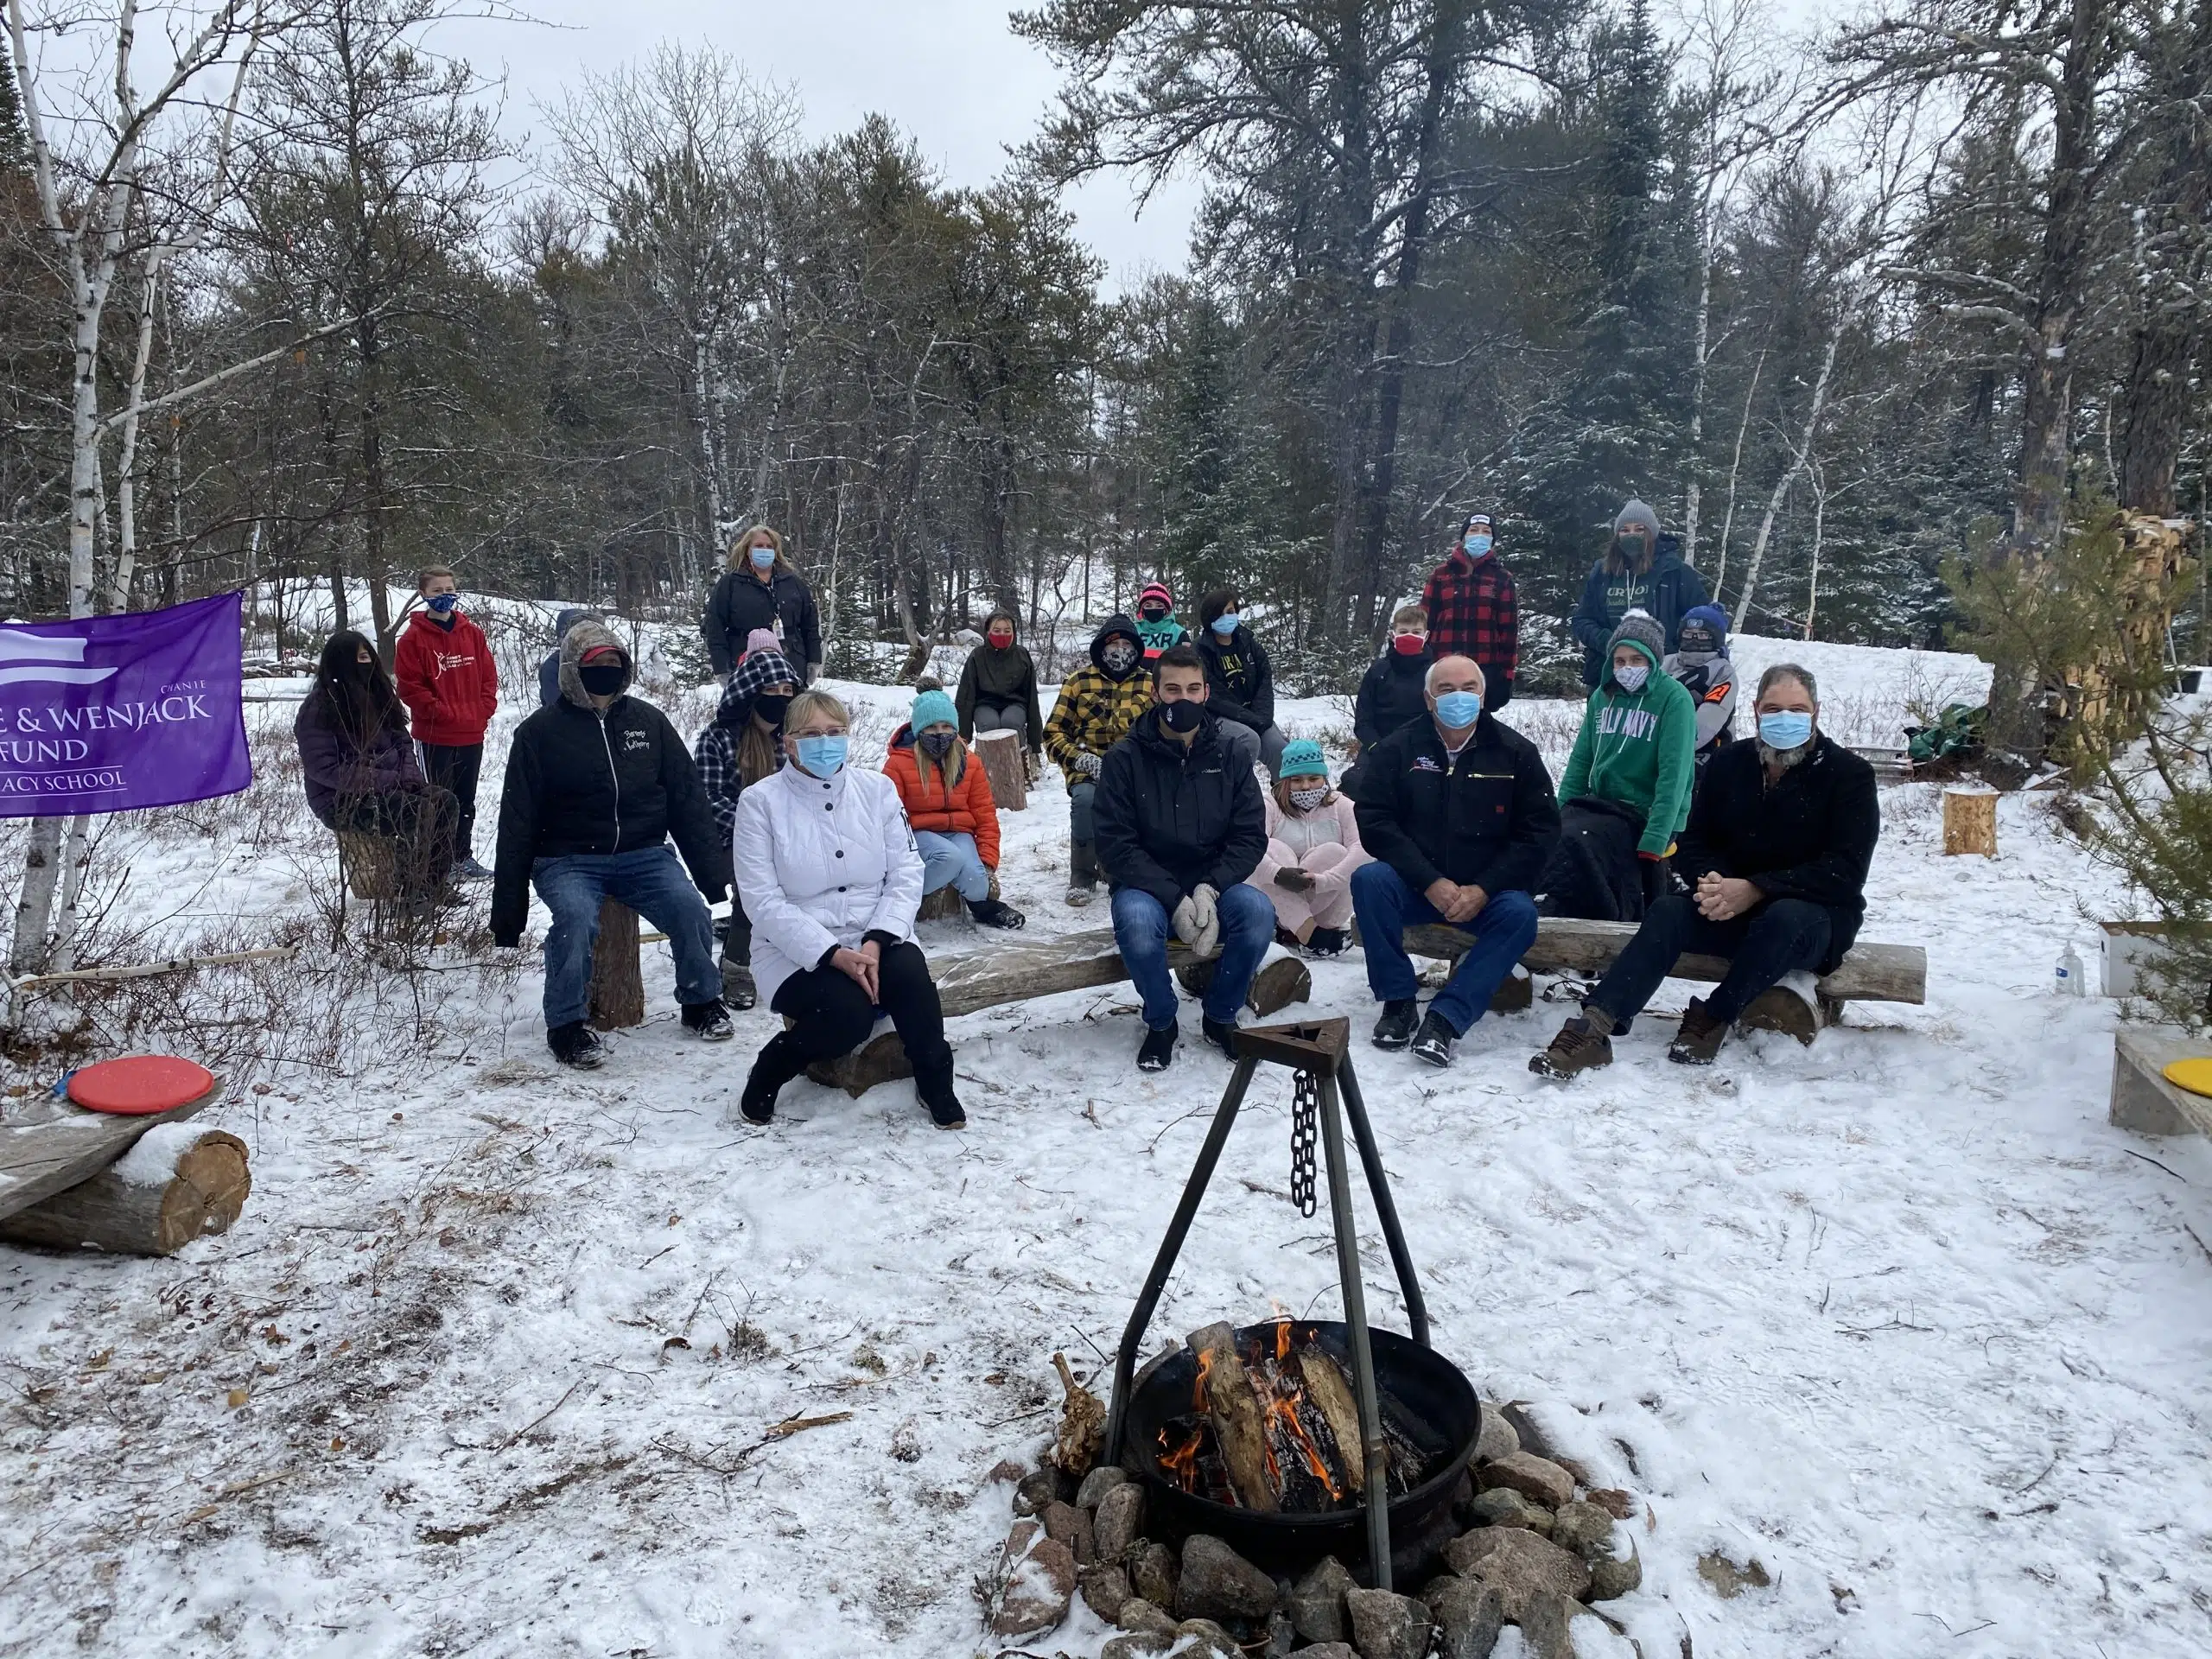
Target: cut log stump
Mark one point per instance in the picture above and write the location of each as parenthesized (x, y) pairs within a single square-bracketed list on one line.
[(1275, 987), (372, 866), (49, 1145), (154, 1201), (942, 905), (1970, 822), (1003, 764), (617, 980)]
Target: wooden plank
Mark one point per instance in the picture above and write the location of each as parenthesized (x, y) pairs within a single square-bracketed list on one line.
[(1869, 973), (49, 1145)]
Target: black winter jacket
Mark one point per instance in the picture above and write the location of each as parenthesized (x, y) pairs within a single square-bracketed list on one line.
[(1810, 837), (579, 782), (1171, 819), (1393, 692), (1240, 681), (1487, 820), (742, 603)]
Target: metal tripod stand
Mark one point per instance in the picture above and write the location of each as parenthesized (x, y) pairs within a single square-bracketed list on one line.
[(1321, 1054)]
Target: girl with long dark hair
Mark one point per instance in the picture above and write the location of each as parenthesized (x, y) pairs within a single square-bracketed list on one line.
[(360, 768)]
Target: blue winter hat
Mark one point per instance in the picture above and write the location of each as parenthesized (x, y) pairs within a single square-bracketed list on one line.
[(1709, 625), (1302, 758), (932, 707)]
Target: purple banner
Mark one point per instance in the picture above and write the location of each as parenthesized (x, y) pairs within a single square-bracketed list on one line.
[(117, 712)]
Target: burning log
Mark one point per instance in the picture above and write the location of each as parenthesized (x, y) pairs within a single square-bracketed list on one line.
[(1224, 1392), (1330, 1389)]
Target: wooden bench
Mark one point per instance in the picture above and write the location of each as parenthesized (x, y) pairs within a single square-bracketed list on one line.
[(1014, 972), (2142, 1099), (62, 1182)]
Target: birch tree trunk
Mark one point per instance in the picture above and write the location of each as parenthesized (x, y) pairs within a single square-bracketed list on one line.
[(1735, 470), (1798, 456)]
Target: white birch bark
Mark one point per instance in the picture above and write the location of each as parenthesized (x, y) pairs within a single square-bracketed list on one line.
[(1735, 471), (1798, 456)]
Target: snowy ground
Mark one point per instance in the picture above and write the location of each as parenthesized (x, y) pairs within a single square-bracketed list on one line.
[(489, 1365)]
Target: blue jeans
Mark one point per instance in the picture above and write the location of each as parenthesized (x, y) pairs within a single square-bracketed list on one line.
[(652, 882), (952, 861), (1140, 932), (1385, 904)]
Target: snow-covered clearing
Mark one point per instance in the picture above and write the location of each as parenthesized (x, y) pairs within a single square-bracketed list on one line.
[(491, 1363)]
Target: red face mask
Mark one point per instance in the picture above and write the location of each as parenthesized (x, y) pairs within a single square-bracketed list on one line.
[(1409, 644), (1000, 637)]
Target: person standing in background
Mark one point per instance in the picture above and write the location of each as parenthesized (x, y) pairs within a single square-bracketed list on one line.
[(761, 589), (1643, 571), (1473, 610), (998, 689), (1156, 625), (451, 687), (1240, 681)]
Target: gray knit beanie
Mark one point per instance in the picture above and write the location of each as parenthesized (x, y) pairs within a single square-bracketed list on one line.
[(1641, 629)]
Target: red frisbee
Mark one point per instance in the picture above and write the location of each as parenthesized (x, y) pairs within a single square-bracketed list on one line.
[(139, 1085)]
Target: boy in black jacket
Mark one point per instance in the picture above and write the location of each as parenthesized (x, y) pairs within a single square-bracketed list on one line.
[(1776, 855), (1180, 829), (1458, 813), (595, 787)]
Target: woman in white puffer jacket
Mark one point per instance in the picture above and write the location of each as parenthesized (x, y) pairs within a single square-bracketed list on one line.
[(827, 872)]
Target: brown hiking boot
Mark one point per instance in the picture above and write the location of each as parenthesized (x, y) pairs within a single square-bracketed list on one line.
[(1580, 1047), (1698, 1042)]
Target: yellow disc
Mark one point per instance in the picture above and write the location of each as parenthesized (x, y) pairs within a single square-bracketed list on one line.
[(2194, 1075)]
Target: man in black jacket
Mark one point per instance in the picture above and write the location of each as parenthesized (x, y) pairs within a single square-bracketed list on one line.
[(1458, 813), (1775, 857), (595, 787), (1239, 682), (1181, 826)]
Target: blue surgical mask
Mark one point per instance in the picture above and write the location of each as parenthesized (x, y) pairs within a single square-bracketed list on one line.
[(1477, 545), (822, 756), (1457, 709), (764, 558), (1786, 728), (1631, 679), (443, 603), (1225, 624)]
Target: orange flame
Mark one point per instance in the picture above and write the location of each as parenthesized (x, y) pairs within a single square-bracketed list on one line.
[(1198, 1399), (1182, 1461), (1282, 1341)]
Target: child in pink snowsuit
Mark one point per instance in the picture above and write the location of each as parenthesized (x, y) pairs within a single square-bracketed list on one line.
[(1313, 849)]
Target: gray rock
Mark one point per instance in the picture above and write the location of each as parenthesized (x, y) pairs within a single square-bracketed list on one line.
[(1105, 1588), (1610, 1580), (1119, 1522), (1141, 1645), (1532, 1438), (1519, 1564), (1586, 1529), (1035, 1491), (1317, 1602), (1099, 1481), (1329, 1650), (1034, 1582), (1538, 1479), (1497, 1439), (1138, 1614), (1071, 1527), (1153, 1572), (1211, 1639), (1386, 1625), (1545, 1626), (1502, 1506), (1282, 1635), (1729, 1581), (1469, 1615), (1218, 1582)]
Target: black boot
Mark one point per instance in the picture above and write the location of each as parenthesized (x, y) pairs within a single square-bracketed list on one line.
[(940, 1103), (992, 913), (1396, 1029), (739, 991), (774, 1066), (1083, 872), (575, 1045)]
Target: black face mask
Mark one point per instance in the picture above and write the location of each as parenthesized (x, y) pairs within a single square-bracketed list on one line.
[(604, 679), (1182, 716), (770, 705), (935, 745)]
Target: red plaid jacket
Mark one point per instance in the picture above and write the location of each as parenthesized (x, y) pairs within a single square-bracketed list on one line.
[(1472, 612)]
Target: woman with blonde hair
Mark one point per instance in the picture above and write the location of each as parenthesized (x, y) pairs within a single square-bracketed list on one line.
[(761, 589), (949, 806), (1313, 850), (827, 871)]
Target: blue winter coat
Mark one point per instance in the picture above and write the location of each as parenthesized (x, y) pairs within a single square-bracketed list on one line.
[(1667, 590)]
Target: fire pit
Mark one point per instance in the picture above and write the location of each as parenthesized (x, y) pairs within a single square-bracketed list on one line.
[(1298, 1439)]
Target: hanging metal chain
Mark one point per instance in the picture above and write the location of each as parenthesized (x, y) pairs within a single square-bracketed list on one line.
[(1305, 1103)]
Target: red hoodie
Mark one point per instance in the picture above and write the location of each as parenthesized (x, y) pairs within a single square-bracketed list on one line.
[(446, 679)]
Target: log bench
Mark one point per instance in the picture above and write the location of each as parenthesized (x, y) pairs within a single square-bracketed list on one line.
[(70, 1178)]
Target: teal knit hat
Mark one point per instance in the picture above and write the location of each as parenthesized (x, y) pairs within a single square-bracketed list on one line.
[(931, 708), (1302, 758)]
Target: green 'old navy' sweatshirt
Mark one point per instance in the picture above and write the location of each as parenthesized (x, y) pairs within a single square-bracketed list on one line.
[(1638, 749)]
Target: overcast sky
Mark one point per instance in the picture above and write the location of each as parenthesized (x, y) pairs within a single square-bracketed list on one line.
[(949, 72)]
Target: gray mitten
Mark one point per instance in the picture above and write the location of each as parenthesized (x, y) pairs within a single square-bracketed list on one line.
[(1088, 764), (1205, 914)]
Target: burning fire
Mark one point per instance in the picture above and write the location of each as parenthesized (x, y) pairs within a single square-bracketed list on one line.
[(1190, 1455)]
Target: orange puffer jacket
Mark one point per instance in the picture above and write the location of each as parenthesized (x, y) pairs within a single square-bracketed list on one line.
[(964, 809)]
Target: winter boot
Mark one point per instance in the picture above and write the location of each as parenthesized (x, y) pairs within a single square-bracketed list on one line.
[(941, 1104), (994, 912), (1221, 1036), (708, 1021), (1157, 1051), (776, 1065), (466, 868), (1584, 1043), (1435, 1043), (1083, 872), (1698, 1042), (576, 1045), (1327, 941), (739, 991), (1396, 1029)]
